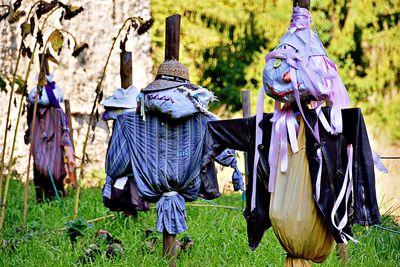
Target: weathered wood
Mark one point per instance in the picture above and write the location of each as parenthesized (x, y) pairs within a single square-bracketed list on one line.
[(342, 251), (126, 69), (302, 3), (45, 62), (246, 113), (172, 36), (71, 132), (170, 248)]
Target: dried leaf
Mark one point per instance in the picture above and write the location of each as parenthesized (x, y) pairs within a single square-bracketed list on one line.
[(5, 14), (42, 78), (56, 39), (17, 4), (51, 58), (3, 85), (79, 48), (23, 49), (61, 17), (28, 52), (145, 26), (32, 22), (19, 81), (21, 86), (39, 38), (44, 8), (134, 25), (72, 11), (25, 29), (16, 16)]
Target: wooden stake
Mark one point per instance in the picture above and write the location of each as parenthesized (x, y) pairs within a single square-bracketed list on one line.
[(302, 3), (246, 113), (342, 251), (126, 69), (172, 33), (170, 248), (71, 133), (44, 64), (172, 36)]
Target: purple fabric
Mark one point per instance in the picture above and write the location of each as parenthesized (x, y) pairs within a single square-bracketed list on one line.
[(50, 94), (50, 86), (312, 75)]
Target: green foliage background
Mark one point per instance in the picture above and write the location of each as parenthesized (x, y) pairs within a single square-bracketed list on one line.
[(224, 44)]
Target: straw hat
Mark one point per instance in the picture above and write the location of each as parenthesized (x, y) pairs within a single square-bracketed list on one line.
[(122, 98), (170, 74)]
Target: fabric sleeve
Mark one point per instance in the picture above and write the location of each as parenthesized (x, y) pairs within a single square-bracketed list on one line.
[(366, 210), (228, 158), (118, 161), (221, 135)]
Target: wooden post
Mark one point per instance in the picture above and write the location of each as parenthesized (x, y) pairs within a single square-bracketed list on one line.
[(126, 69), (342, 251), (45, 62), (172, 36), (341, 248), (246, 113), (172, 33), (302, 3), (71, 133)]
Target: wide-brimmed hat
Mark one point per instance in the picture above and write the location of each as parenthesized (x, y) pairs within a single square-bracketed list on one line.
[(122, 98), (170, 74)]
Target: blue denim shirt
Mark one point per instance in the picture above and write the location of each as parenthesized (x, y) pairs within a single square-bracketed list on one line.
[(165, 161)]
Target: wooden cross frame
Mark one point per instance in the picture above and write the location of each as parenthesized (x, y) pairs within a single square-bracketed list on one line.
[(172, 37)]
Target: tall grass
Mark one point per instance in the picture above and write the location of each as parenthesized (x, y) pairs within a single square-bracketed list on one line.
[(219, 236)]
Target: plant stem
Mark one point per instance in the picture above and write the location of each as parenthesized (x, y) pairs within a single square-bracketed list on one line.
[(31, 142), (8, 177), (82, 165), (8, 119)]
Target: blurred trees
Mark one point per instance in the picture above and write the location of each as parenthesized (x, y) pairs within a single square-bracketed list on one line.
[(224, 44)]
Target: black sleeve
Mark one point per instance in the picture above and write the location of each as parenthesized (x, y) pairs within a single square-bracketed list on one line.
[(221, 135), (366, 210)]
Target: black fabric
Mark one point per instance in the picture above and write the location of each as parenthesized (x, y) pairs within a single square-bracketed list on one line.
[(126, 199), (239, 134)]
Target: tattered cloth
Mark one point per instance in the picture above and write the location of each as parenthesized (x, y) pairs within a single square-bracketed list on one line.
[(50, 135), (165, 161)]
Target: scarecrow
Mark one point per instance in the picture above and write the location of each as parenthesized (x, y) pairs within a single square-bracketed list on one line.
[(120, 190), (163, 152), (311, 167), (51, 142)]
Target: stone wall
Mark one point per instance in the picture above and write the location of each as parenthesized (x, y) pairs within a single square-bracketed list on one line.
[(78, 77)]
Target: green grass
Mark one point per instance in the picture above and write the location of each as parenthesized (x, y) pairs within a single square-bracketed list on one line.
[(219, 236)]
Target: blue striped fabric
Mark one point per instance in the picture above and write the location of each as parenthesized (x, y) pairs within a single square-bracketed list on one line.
[(163, 157)]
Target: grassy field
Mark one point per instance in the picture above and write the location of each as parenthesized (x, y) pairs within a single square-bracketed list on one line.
[(219, 237)]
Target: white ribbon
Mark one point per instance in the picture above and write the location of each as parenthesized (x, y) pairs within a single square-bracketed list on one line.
[(344, 195), (170, 194)]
